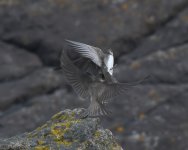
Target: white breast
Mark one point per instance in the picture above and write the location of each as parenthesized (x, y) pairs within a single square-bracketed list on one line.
[(109, 61)]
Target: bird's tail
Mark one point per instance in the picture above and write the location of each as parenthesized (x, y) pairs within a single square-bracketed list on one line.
[(97, 109)]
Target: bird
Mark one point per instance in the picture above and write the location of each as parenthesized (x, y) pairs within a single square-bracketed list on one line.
[(88, 86), (103, 59)]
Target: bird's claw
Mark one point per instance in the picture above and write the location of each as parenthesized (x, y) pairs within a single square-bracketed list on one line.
[(83, 115)]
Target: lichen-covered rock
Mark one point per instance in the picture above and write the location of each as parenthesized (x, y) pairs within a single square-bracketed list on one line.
[(65, 131)]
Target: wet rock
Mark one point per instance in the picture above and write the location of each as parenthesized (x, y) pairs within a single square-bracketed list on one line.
[(65, 131)]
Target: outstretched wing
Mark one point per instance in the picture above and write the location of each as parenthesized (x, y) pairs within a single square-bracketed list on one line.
[(114, 89), (88, 51), (75, 77)]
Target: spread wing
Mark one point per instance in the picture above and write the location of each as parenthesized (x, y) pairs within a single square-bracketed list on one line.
[(114, 89), (93, 53), (75, 77)]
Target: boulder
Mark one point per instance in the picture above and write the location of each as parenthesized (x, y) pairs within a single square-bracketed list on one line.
[(65, 131), (38, 82), (16, 62)]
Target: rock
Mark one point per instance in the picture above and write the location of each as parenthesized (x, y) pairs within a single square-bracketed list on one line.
[(66, 132), (38, 82), (148, 38), (136, 106), (104, 24), (163, 128), (16, 62), (36, 110), (164, 66), (172, 34)]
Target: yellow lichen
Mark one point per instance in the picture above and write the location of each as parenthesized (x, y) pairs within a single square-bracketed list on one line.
[(42, 148), (116, 147), (97, 134), (44, 126), (66, 143), (40, 128), (58, 130), (63, 117), (32, 134), (73, 114), (40, 142), (56, 116)]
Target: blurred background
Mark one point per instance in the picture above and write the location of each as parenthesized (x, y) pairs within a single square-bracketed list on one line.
[(148, 37)]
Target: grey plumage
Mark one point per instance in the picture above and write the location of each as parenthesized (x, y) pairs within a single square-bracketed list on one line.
[(91, 87), (104, 60)]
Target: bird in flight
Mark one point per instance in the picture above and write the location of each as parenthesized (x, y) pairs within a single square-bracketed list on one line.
[(91, 87), (103, 59)]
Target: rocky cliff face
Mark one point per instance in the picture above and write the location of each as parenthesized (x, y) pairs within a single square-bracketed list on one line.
[(65, 131), (147, 37)]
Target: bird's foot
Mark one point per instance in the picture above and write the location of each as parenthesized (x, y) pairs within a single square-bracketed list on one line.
[(83, 114)]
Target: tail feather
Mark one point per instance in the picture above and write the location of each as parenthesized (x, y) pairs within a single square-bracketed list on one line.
[(97, 109)]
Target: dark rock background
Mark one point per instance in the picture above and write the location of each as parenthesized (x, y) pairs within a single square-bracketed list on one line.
[(147, 37)]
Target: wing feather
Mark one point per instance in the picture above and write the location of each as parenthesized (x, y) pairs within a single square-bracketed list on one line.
[(78, 80), (88, 51), (114, 89)]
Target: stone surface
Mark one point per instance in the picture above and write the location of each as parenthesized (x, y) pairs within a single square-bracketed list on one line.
[(36, 111), (167, 126), (65, 131), (148, 38), (101, 23), (164, 66), (171, 34), (39, 82), (16, 62)]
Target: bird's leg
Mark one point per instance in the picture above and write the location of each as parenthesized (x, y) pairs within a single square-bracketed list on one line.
[(86, 112)]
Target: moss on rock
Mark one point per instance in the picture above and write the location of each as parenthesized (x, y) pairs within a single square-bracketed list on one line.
[(66, 131)]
